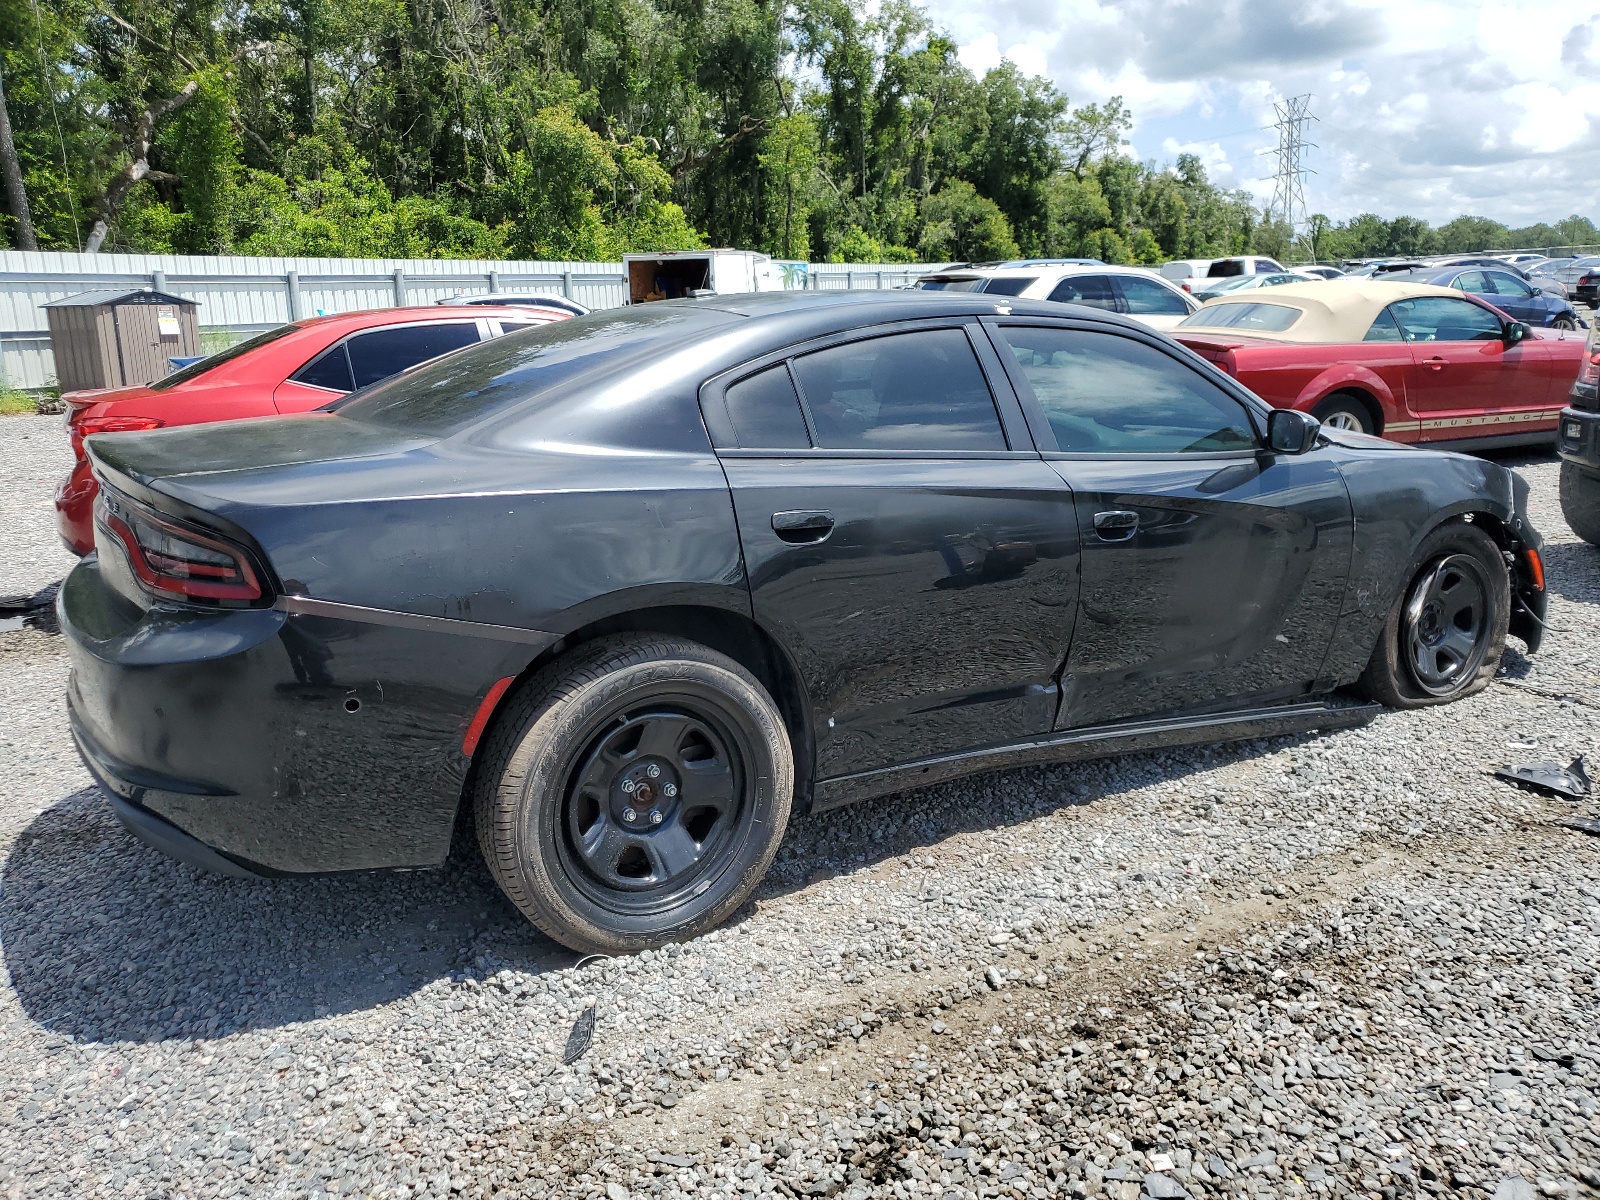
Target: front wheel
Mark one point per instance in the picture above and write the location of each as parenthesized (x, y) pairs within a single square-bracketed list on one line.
[(1580, 502), (1445, 635), (1341, 411), (1563, 322), (634, 793)]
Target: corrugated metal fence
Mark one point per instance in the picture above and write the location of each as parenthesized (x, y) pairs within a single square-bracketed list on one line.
[(239, 296)]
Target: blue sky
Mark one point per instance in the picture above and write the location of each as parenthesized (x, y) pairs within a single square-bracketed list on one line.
[(1431, 108)]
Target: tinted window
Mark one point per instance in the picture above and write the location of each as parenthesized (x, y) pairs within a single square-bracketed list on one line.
[(1440, 319), (1266, 264), (1225, 269), (1009, 285), (1471, 281), (1094, 291), (194, 370), (330, 370), (384, 352), (766, 412), (1243, 315), (909, 391), (1385, 328), (1508, 285), (951, 285), (1113, 395), (1149, 298)]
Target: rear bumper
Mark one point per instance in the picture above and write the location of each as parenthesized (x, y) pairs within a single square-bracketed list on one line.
[(279, 743), (75, 508)]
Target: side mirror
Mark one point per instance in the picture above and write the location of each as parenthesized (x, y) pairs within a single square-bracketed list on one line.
[(1290, 431), (1515, 332)]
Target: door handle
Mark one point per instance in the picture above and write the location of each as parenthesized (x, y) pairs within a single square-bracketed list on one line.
[(1117, 525), (802, 526), (1436, 363)]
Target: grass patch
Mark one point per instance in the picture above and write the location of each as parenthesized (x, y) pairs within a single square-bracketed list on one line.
[(14, 403)]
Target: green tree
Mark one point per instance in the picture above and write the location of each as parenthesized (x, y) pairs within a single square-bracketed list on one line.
[(959, 224)]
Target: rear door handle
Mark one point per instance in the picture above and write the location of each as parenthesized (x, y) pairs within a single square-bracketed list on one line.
[(1117, 525), (802, 526)]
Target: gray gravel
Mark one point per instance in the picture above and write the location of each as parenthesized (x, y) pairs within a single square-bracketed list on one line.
[(35, 457), (990, 987)]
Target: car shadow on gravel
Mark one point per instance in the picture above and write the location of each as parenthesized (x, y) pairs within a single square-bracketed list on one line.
[(106, 939)]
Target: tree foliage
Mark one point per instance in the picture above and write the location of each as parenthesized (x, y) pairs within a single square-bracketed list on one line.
[(578, 129)]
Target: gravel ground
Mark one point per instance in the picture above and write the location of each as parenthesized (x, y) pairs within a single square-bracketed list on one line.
[(1342, 965), (37, 457)]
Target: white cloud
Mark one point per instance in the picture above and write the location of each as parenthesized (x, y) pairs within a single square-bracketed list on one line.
[(1428, 107)]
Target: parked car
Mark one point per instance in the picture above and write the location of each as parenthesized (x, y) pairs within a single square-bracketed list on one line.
[(1524, 259), (534, 300), (1319, 270), (1546, 283), (1582, 276), (1189, 272), (1246, 283), (1141, 294), (292, 368), (1511, 294), (639, 585), (1184, 271), (1409, 361), (1578, 443)]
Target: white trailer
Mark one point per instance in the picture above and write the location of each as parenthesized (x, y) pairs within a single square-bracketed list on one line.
[(671, 274)]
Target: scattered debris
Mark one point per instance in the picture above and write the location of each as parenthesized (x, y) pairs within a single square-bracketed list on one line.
[(580, 1037), (1589, 825), (1571, 781)]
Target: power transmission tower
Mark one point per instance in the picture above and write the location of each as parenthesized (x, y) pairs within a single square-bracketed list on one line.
[(1288, 191)]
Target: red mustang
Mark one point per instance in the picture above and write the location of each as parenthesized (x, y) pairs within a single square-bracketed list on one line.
[(290, 369), (1409, 362)]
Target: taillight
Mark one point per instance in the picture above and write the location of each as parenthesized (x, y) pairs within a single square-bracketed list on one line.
[(79, 428), (175, 561), (1589, 372)]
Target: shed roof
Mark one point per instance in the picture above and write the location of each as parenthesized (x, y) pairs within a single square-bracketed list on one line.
[(140, 295)]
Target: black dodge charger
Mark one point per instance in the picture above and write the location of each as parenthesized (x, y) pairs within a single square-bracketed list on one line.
[(635, 585)]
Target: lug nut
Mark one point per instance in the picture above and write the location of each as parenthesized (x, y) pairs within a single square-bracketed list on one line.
[(629, 815), (669, 790), (627, 786), (653, 771), (655, 816)]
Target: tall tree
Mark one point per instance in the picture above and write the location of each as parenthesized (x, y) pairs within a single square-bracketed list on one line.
[(16, 188)]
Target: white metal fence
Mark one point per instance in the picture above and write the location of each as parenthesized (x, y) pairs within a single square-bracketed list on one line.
[(238, 296)]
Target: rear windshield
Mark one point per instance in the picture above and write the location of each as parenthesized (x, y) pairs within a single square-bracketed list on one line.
[(1243, 316), (195, 370), (450, 393), (937, 283), (1225, 269)]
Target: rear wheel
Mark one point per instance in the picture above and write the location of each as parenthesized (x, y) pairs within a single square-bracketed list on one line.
[(1344, 411), (1444, 638), (1580, 502), (634, 793)]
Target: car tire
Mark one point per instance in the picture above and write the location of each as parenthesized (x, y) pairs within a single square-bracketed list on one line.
[(633, 793), (1343, 411), (1580, 502), (1446, 632), (1563, 322)]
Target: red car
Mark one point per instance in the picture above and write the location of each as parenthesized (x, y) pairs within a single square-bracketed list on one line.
[(290, 369), (1409, 362)]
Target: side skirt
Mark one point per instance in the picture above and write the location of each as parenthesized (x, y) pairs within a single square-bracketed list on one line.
[(1098, 742), (1502, 441)]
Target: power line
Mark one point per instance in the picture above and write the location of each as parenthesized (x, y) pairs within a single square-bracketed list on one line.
[(1288, 191)]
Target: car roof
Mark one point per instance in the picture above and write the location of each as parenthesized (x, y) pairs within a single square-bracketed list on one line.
[(1058, 268), (372, 317), (1332, 311)]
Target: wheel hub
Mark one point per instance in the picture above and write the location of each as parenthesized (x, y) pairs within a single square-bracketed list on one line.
[(645, 794)]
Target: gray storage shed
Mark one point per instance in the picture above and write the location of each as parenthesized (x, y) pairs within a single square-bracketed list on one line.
[(120, 336)]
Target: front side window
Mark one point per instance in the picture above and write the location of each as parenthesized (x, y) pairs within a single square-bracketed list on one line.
[(1104, 394), (1092, 291), (381, 353), (1266, 264), (906, 391), (1441, 319), (1508, 285), (1148, 298)]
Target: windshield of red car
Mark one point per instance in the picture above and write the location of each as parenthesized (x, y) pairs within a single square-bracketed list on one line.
[(212, 361)]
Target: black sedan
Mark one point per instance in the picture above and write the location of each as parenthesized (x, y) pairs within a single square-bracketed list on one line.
[(636, 585)]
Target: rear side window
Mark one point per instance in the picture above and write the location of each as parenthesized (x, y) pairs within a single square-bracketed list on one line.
[(211, 361), (907, 391), (1226, 269), (1385, 328), (1104, 394), (330, 369), (1146, 297), (381, 353), (1472, 281), (1009, 285), (765, 411), (1092, 291)]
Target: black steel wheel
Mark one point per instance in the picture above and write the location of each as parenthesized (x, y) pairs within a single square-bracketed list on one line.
[(1445, 634), (634, 793)]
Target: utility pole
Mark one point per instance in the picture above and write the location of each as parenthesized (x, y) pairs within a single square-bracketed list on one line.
[(11, 168), (1288, 191)]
